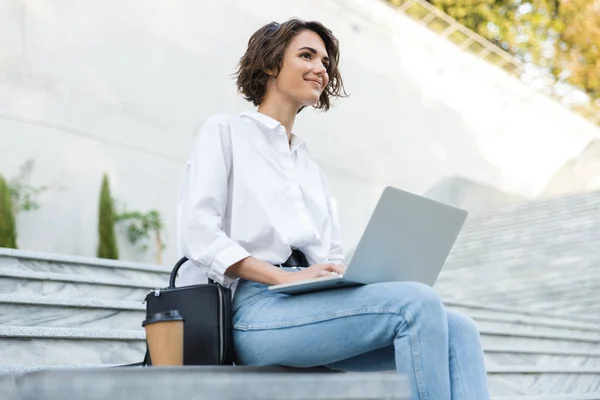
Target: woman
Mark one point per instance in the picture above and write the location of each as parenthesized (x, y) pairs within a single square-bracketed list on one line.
[(252, 192)]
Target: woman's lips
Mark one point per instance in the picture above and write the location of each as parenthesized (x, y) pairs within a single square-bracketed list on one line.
[(316, 83)]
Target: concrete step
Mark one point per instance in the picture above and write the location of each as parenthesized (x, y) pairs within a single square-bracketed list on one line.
[(510, 381), (503, 336), (497, 329), (521, 228), (492, 282), (143, 274), (489, 281), (202, 383), (17, 310), (72, 286), (468, 305), (568, 396), (11, 371), (581, 306), (28, 310), (496, 356), (533, 216), (503, 327), (530, 259), (586, 307), (30, 346), (568, 288), (536, 330), (517, 317), (493, 253)]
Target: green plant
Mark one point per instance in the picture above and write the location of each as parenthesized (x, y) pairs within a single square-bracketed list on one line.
[(107, 245), (8, 232), (24, 195), (141, 226)]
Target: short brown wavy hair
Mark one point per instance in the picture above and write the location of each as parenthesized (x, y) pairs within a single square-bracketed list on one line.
[(265, 52)]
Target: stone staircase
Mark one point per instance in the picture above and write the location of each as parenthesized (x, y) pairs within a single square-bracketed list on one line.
[(58, 311), (542, 255), (540, 258)]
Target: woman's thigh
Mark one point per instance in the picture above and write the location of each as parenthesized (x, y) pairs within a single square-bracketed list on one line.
[(382, 359), (329, 326), (464, 343)]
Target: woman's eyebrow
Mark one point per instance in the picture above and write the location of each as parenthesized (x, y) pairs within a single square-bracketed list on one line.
[(312, 51)]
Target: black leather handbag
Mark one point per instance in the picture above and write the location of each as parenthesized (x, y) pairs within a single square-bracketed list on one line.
[(208, 327)]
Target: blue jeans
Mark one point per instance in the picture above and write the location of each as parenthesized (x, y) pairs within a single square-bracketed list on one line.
[(377, 327)]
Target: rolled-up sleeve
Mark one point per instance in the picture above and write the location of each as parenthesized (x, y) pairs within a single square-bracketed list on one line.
[(336, 250), (203, 201)]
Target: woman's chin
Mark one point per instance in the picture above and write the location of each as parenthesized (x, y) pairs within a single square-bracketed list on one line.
[(309, 98), (309, 102)]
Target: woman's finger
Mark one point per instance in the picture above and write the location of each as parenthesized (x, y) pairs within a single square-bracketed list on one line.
[(323, 272), (337, 268)]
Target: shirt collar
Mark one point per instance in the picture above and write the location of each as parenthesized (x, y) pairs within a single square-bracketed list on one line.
[(298, 143), (271, 124), (263, 119)]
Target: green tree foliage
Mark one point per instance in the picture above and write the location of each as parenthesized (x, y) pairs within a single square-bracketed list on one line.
[(8, 232), (560, 36), (107, 245), (141, 226), (578, 51)]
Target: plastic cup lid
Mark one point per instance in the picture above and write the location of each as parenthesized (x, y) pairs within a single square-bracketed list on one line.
[(171, 315)]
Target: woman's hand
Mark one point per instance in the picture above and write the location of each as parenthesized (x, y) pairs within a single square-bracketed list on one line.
[(313, 272)]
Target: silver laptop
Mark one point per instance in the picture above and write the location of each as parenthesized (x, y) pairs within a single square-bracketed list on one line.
[(408, 238)]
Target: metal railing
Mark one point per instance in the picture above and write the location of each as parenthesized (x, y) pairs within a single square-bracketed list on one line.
[(446, 26)]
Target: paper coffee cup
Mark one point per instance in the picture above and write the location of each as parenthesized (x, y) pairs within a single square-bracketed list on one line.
[(164, 335)]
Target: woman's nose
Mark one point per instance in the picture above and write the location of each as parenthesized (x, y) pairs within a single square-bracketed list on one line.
[(320, 69)]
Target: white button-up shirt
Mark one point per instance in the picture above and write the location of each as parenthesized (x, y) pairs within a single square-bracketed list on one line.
[(245, 192)]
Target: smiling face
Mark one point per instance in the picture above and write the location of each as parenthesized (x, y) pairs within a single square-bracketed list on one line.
[(303, 75), (286, 63)]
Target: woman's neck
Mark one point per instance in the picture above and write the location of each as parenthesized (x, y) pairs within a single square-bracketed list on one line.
[(285, 114)]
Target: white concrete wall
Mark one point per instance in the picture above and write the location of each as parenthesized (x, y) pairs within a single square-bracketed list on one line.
[(579, 174), (121, 87)]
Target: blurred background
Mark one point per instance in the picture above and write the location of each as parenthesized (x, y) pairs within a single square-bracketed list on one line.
[(121, 88), (492, 106)]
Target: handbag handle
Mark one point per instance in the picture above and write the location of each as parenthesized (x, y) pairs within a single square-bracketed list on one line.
[(175, 271)]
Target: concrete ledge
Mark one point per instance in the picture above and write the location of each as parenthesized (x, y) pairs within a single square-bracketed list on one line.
[(8, 387), (573, 396), (498, 316), (26, 332), (78, 333), (5, 371), (201, 383), (542, 369), (33, 368), (521, 311), (549, 351), (70, 278), (547, 334), (91, 261), (72, 302)]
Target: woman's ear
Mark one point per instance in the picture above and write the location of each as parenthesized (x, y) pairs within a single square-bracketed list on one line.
[(272, 72)]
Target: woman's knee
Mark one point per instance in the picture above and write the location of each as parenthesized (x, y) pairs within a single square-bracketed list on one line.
[(423, 297), (461, 325), (418, 302)]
